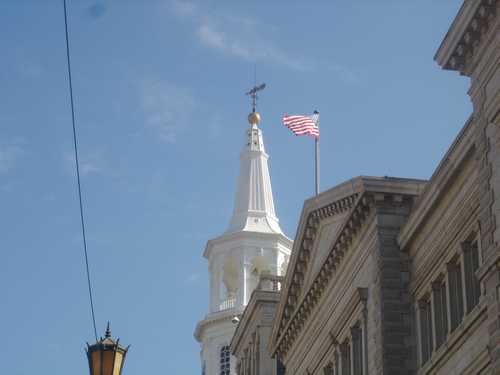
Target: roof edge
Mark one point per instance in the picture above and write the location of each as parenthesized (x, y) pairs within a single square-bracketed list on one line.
[(455, 32)]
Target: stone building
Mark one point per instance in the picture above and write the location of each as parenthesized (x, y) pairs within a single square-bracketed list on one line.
[(401, 276), (343, 308), (249, 343), (252, 244)]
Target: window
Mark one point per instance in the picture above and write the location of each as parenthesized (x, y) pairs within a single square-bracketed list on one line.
[(225, 361), (452, 298), (336, 363), (328, 369), (471, 264), (426, 344), (456, 294), (345, 356), (357, 351), (440, 311), (281, 368)]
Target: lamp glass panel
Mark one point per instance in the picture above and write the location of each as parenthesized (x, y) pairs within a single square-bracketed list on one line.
[(96, 362), (108, 356), (118, 363)]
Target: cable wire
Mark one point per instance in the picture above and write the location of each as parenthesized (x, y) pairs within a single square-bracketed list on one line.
[(75, 143)]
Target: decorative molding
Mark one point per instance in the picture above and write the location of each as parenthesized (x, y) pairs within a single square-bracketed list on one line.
[(333, 338), (298, 312), (355, 198), (215, 318), (302, 264), (254, 313), (472, 33), (360, 296), (495, 119)]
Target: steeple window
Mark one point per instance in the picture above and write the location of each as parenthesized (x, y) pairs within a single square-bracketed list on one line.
[(225, 360)]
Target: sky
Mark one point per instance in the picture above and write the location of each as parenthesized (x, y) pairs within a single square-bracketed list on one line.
[(161, 117)]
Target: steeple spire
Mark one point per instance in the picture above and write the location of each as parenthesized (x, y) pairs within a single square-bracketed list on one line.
[(254, 205), (253, 244)]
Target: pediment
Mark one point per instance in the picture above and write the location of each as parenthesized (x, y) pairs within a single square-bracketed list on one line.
[(327, 232), (327, 226)]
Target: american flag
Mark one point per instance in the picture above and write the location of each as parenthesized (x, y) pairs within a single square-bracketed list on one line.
[(302, 125)]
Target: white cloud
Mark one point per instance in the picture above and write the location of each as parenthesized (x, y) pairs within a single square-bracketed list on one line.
[(193, 278), (345, 74), (30, 69), (183, 7), (92, 163), (10, 152), (235, 36), (240, 36), (211, 37), (245, 43), (166, 107), (214, 125)]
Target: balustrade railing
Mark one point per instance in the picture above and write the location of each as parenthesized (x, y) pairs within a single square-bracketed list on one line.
[(228, 303), (270, 282)]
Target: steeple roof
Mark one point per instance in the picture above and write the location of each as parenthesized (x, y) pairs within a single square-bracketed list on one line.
[(254, 205)]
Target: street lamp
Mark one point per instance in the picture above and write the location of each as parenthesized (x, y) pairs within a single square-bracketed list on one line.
[(106, 356)]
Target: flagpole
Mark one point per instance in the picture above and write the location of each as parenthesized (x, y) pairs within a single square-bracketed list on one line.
[(316, 156)]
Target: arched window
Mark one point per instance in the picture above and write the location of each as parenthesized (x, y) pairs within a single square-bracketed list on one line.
[(225, 360)]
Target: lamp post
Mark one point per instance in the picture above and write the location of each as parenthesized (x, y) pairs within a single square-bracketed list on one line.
[(106, 356)]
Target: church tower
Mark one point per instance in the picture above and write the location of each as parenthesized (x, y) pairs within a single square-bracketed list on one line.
[(252, 244)]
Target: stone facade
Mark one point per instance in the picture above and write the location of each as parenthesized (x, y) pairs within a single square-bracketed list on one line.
[(472, 47), (350, 311), (448, 327), (399, 276), (249, 343)]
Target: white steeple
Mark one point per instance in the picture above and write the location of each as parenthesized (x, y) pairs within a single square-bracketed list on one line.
[(254, 205), (254, 243)]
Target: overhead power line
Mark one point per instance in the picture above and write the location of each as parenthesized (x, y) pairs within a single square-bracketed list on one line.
[(75, 143)]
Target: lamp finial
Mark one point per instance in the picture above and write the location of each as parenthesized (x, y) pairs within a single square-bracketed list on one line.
[(108, 332), (254, 117)]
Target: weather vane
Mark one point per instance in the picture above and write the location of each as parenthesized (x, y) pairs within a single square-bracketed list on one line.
[(253, 94)]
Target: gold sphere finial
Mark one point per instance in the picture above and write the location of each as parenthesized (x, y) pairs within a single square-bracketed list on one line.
[(254, 118)]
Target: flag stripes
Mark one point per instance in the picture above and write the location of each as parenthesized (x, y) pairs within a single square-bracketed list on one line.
[(302, 125)]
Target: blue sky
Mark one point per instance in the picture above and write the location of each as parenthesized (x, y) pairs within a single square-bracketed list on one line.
[(161, 117)]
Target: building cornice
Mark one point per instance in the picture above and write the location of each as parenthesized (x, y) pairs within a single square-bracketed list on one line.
[(343, 198), (246, 235), (214, 319), (297, 311), (258, 297), (466, 33), (296, 304), (359, 297)]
